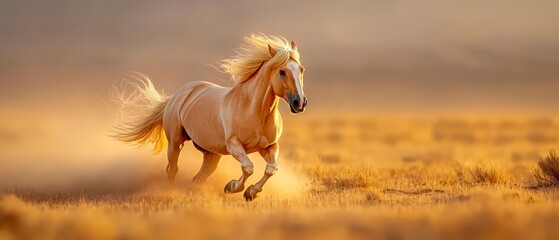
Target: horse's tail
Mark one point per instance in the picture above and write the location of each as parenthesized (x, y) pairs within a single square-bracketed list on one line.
[(139, 113)]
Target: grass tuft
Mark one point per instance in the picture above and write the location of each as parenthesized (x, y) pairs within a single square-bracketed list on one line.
[(487, 173), (343, 177)]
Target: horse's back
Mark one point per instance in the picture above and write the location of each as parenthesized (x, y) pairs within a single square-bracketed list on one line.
[(195, 107)]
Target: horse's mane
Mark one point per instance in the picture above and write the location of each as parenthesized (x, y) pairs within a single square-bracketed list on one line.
[(254, 52)]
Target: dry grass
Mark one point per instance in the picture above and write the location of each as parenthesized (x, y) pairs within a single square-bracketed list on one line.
[(397, 180)]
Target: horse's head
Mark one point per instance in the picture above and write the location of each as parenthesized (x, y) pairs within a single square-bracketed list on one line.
[(287, 82)]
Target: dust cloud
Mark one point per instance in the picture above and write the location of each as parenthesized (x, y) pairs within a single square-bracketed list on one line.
[(72, 153)]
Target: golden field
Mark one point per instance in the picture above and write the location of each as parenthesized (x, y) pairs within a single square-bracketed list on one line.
[(361, 177)]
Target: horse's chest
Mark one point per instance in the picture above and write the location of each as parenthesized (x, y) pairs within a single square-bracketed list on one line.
[(261, 139), (258, 142)]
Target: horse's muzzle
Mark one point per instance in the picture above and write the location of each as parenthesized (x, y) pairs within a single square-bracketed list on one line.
[(295, 103)]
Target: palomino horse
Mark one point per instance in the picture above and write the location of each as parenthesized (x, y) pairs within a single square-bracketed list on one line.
[(219, 120)]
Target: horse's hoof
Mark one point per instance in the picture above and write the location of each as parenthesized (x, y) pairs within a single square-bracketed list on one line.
[(171, 180), (250, 193), (198, 180), (230, 187)]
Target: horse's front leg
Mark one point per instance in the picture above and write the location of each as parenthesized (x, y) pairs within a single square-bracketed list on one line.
[(269, 154), (236, 149)]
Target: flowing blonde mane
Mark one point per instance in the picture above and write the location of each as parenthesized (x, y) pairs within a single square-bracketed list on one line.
[(254, 52)]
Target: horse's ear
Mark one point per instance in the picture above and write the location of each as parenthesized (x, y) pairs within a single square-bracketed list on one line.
[(272, 50), (293, 45)]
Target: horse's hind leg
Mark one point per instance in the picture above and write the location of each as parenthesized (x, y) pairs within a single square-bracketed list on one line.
[(211, 160), (173, 152), (176, 140)]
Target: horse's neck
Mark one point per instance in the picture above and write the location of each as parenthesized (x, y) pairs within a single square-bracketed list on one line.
[(262, 100)]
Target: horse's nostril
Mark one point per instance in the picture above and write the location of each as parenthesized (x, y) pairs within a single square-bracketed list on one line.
[(296, 103), (305, 103)]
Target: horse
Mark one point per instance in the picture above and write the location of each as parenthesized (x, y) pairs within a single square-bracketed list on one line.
[(219, 121)]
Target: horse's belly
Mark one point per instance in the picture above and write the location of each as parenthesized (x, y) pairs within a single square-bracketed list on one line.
[(202, 123), (207, 138), (207, 133)]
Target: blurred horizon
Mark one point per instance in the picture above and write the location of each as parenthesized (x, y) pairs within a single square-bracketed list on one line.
[(368, 57)]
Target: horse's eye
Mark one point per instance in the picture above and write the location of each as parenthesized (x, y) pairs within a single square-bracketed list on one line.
[(282, 73)]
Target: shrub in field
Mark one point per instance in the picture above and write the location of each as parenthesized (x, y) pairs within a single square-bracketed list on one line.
[(547, 172)]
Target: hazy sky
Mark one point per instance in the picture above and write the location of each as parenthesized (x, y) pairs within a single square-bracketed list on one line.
[(366, 55)]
